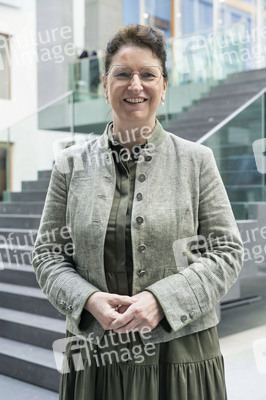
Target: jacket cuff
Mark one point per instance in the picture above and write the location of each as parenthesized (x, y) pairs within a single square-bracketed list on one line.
[(179, 309), (72, 302)]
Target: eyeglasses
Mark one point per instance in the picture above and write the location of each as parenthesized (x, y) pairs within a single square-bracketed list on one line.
[(148, 75)]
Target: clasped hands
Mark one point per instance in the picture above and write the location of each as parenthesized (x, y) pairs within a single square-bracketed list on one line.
[(122, 314)]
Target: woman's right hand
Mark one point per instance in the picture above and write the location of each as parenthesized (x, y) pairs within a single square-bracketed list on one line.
[(104, 306)]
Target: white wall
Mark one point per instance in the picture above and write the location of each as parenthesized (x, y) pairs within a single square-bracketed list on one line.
[(32, 150), (20, 23)]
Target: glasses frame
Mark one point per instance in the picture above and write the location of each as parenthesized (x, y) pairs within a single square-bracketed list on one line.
[(133, 73)]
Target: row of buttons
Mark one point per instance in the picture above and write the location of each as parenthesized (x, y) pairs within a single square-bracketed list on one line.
[(184, 317), (63, 304), (140, 220)]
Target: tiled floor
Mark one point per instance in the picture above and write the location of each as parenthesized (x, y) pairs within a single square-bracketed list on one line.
[(13, 389), (240, 327), (244, 381)]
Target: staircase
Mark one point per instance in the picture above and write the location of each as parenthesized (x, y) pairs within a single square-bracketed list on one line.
[(218, 104), (28, 322)]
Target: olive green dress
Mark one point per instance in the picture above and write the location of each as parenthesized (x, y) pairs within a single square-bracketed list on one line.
[(120, 367)]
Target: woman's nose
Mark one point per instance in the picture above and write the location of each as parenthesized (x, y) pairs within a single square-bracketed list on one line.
[(135, 82)]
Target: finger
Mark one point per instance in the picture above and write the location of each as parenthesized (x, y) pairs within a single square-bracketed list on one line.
[(131, 326), (123, 300), (122, 320)]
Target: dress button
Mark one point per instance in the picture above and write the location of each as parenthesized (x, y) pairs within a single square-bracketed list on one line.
[(183, 318), (142, 272), (139, 220), (62, 304), (142, 247), (70, 308), (148, 158), (139, 196), (142, 178), (192, 313)]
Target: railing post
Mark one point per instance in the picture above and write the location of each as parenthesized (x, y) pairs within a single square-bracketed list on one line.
[(8, 177), (72, 116)]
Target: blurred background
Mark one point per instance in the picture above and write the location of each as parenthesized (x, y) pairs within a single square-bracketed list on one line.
[(51, 97)]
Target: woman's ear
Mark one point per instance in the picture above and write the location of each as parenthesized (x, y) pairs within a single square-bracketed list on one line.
[(165, 84), (104, 79)]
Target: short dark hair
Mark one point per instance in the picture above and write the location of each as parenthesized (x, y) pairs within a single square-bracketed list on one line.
[(137, 35)]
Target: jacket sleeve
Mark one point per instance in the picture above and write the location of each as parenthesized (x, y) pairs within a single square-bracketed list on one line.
[(194, 291), (52, 256)]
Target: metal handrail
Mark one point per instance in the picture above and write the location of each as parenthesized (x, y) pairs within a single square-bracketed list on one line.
[(50, 103), (231, 116), (42, 108)]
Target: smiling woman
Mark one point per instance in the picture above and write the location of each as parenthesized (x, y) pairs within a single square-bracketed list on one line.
[(134, 85), (131, 218)]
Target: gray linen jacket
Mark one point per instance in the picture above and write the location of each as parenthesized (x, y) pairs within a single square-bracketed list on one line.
[(187, 251)]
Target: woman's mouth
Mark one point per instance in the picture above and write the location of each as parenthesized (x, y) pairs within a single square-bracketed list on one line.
[(135, 100)]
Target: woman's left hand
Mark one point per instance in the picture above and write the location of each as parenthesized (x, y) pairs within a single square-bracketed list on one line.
[(143, 315)]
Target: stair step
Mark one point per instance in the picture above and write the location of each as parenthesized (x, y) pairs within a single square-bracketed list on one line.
[(227, 105), (191, 124), (34, 208), (241, 177), (40, 185), (244, 193), (228, 96), (30, 328), (29, 363), (244, 162), (203, 115), (187, 132), (20, 221), (246, 77), (17, 274), (45, 174), (19, 237), (27, 196), (235, 88), (27, 299), (15, 254), (191, 135), (14, 389)]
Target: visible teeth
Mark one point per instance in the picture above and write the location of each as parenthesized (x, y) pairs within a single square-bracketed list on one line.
[(135, 100)]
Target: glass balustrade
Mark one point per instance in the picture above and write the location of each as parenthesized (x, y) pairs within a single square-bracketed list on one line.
[(5, 162), (32, 144), (195, 64), (232, 146)]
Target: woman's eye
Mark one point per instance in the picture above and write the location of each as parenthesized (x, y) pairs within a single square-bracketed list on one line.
[(125, 75), (147, 75)]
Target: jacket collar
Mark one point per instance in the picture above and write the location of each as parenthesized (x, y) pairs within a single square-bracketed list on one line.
[(155, 138)]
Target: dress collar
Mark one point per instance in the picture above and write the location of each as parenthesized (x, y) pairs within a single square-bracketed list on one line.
[(122, 150)]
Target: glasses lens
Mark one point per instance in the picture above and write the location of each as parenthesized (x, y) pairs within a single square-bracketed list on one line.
[(121, 73), (148, 75)]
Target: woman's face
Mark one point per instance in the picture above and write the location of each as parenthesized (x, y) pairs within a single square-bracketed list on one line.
[(123, 96)]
